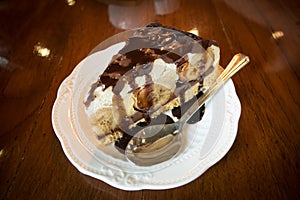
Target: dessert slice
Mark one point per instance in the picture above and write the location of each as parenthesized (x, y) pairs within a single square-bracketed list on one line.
[(158, 70)]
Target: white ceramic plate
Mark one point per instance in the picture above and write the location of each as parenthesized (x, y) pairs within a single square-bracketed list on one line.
[(205, 142)]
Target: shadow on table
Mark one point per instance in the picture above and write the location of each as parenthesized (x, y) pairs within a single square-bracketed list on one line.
[(107, 191)]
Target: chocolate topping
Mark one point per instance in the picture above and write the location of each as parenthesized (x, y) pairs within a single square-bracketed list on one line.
[(137, 63), (136, 59), (204, 43), (161, 119), (129, 133), (147, 44)]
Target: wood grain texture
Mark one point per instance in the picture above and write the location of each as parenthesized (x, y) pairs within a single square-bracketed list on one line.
[(262, 163)]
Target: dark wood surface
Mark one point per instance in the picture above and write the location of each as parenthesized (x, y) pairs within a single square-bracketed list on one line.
[(262, 163)]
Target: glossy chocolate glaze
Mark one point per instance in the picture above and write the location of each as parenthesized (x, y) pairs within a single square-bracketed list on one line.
[(129, 133), (121, 143), (147, 44), (133, 64), (136, 59)]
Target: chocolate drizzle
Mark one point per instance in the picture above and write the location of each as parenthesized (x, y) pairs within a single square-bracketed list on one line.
[(135, 60), (161, 119), (129, 133), (140, 64), (147, 44)]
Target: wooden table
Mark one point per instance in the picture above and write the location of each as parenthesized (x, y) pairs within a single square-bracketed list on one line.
[(42, 41)]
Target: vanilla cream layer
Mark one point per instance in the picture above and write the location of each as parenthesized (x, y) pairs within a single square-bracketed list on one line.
[(104, 115)]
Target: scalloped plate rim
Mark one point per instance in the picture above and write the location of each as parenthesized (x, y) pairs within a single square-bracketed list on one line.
[(64, 101)]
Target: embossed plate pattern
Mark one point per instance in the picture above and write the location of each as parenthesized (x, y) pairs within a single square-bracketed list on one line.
[(205, 142)]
